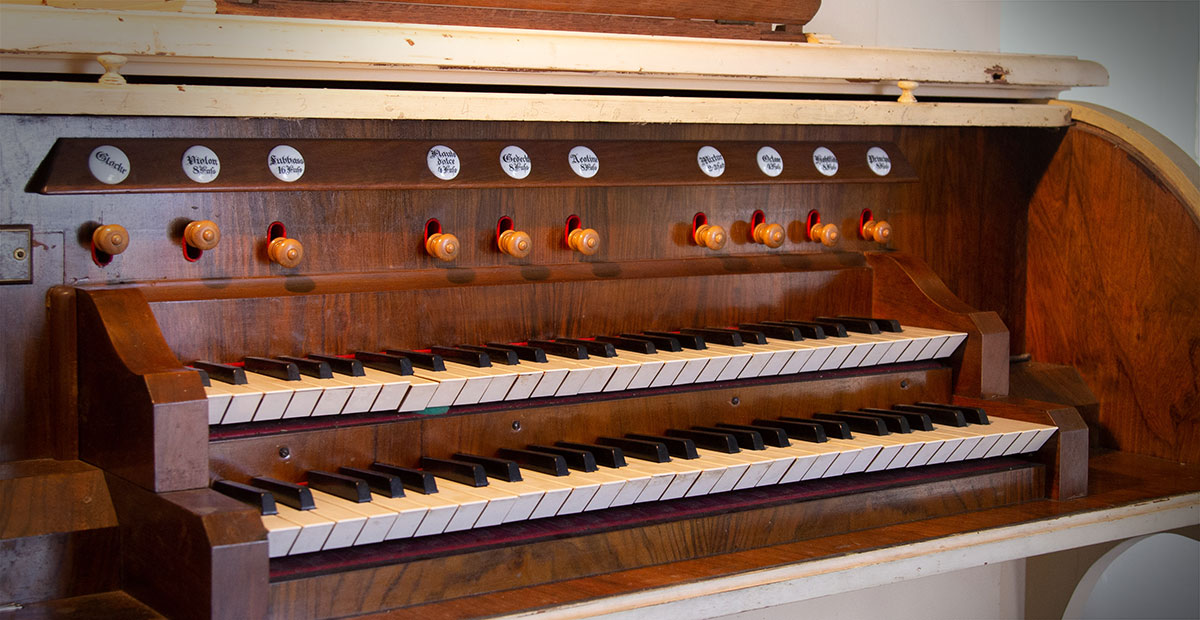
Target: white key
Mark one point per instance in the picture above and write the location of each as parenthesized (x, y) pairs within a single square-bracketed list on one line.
[(454, 388), (363, 393), (394, 389), (409, 514), (314, 529), (240, 407), (376, 521), (303, 397), (281, 534), (500, 379), (441, 511)]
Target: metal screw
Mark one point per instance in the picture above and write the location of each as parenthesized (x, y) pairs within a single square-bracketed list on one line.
[(516, 425), (735, 401), (284, 452), (19, 254), (904, 384)]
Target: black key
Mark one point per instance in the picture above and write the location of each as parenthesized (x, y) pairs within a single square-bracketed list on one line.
[(310, 367), (470, 474), (497, 355), (719, 336), (771, 436), (653, 451), (607, 456), (580, 460), (500, 469), (545, 462), (894, 422), (686, 341), (562, 349), (341, 485), (973, 415), (749, 336), (255, 496), (385, 362), (916, 421), (885, 325), (862, 326), (475, 359), (637, 345), (412, 479), (222, 372), (808, 330), (833, 329), (834, 429), (204, 380), (529, 354), (286, 493), (661, 343), (945, 417), (800, 430), (715, 441), (746, 439), (779, 332), (341, 365), (279, 369), (676, 446), (865, 424), (593, 347), (428, 361), (386, 485)]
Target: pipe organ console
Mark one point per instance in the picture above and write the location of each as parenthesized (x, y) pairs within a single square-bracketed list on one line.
[(488, 350)]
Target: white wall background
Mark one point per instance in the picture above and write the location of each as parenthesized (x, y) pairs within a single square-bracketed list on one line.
[(1151, 48)]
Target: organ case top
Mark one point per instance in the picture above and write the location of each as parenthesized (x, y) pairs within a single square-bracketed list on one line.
[(995, 210)]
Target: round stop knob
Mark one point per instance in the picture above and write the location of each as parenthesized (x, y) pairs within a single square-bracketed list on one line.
[(711, 236), (202, 234), (443, 246), (584, 240), (770, 235), (111, 239), (877, 231), (286, 252), (827, 234), (515, 243)]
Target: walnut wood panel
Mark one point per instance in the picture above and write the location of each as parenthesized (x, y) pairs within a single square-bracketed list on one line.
[(191, 554), (141, 415), (1112, 273), (1065, 455), (1115, 479), (905, 287), (403, 442), (158, 164), (1056, 383), (58, 534), (115, 605), (407, 13), (423, 581), (792, 12), (962, 218), (228, 329)]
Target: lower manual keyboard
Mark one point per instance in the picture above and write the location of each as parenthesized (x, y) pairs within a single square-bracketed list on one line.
[(470, 492)]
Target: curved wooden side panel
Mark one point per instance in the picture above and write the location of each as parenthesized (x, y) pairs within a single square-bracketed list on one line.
[(905, 288), (141, 415), (1113, 253)]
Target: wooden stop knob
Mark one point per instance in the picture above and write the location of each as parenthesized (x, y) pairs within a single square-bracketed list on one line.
[(443, 246), (711, 236), (877, 231), (202, 234), (826, 233), (584, 240), (286, 252), (111, 239), (515, 243), (770, 235)]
